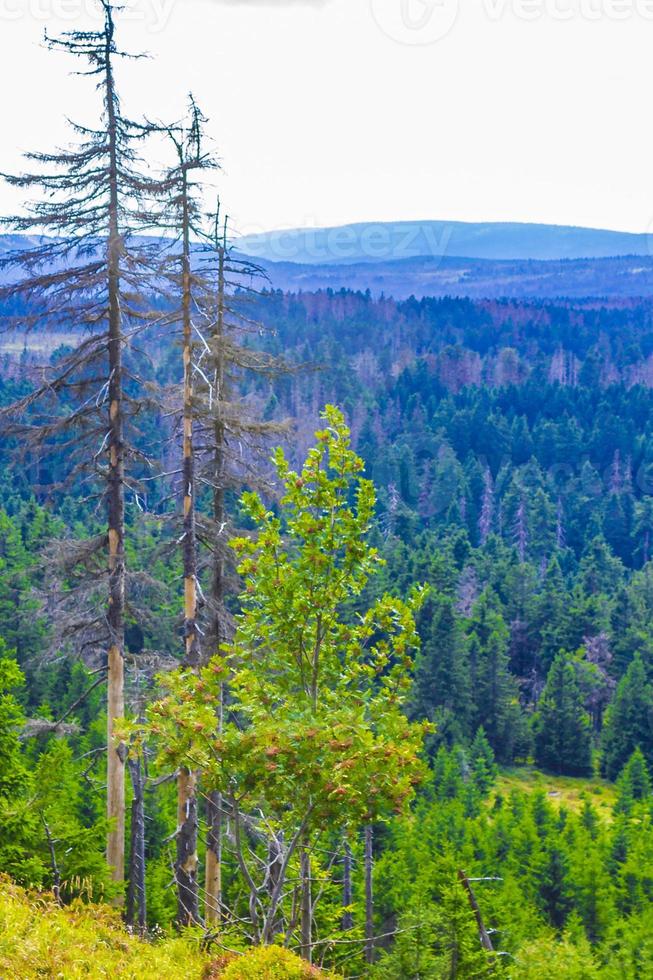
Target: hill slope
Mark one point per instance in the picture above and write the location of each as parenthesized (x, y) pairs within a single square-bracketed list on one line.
[(390, 241)]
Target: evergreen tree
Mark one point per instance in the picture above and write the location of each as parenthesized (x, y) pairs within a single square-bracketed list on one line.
[(551, 872), (634, 782), (484, 767), (562, 727), (18, 820), (628, 722), (494, 690), (442, 682), (83, 265)]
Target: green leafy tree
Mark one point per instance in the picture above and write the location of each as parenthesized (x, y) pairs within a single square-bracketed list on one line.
[(314, 738)]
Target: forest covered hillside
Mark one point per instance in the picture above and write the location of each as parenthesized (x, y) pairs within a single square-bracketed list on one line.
[(326, 616), (618, 277), (510, 447)]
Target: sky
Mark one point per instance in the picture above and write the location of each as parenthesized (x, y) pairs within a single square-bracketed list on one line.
[(326, 112)]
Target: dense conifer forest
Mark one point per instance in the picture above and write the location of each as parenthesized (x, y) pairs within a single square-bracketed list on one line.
[(326, 620)]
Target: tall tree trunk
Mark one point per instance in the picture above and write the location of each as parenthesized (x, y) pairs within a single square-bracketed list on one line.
[(213, 862), (347, 890), (484, 935), (213, 868), (186, 868), (306, 909), (369, 895), (214, 805), (116, 753), (136, 894)]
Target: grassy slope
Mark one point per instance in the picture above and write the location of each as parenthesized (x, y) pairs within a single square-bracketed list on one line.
[(567, 791), (38, 939)]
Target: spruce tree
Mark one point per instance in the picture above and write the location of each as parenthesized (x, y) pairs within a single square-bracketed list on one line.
[(628, 722), (88, 271), (484, 767), (442, 691), (634, 782), (562, 727), (494, 690), (233, 438), (18, 820), (181, 215)]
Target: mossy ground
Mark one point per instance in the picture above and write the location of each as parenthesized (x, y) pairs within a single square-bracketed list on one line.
[(568, 791)]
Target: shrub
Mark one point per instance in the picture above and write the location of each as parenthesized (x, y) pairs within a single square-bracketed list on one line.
[(264, 963)]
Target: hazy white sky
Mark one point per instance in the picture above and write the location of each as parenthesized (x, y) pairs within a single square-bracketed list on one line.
[(332, 111)]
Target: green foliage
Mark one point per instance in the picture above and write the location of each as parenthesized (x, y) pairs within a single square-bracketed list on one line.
[(496, 697), (434, 943), (38, 939), (562, 727), (525, 505), (316, 726), (629, 721), (484, 767), (314, 735), (442, 689), (634, 783), (18, 825), (267, 963), (548, 959)]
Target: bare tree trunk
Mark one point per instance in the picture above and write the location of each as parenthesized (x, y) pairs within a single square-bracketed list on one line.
[(483, 934), (191, 634), (136, 894), (56, 874), (213, 864), (186, 868), (214, 808), (213, 869), (347, 890), (646, 545), (116, 753), (306, 913), (369, 895)]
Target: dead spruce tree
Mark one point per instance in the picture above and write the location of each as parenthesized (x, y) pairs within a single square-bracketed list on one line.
[(87, 272), (233, 441), (181, 216)]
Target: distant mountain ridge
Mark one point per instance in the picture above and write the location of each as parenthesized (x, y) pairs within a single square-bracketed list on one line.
[(617, 276), (389, 241)]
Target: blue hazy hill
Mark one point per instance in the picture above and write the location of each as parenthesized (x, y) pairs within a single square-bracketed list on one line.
[(387, 241)]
